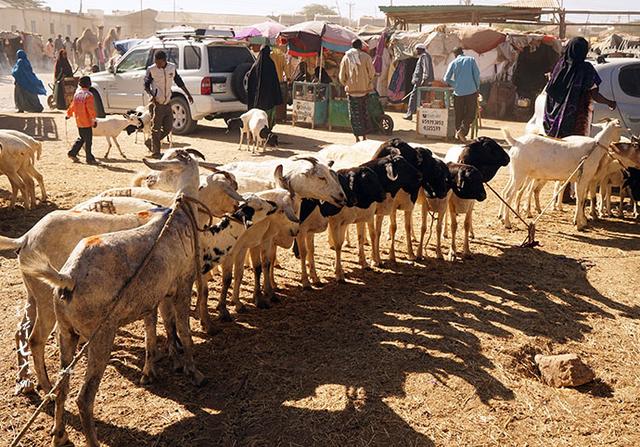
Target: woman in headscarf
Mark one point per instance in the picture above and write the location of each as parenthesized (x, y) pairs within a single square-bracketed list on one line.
[(300, 74), (61, 70), (263, 86), (321, 75), (572, 86), (27, 85)]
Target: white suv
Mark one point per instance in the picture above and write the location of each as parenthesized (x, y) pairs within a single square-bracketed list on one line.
[(213, 70)]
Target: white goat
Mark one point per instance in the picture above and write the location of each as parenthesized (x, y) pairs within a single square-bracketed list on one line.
[(55, 235), (104, 268), (111, 126), (537, 157), (36, 152), (15, 159), (305, 178)]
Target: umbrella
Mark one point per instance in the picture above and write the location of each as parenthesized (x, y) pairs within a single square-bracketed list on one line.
[(267, 29), (308, 38)]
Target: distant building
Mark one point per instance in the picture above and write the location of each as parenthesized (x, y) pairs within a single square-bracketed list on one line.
[(166, 19), (43, 21), (291, 19), (372, 21), (344, 21)]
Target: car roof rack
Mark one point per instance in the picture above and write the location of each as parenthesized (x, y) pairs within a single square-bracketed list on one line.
[(186, 32)]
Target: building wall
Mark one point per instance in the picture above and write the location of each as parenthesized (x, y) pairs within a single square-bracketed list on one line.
[(43, 22)]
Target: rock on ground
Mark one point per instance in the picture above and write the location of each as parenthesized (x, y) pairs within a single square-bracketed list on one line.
[(563, 370)]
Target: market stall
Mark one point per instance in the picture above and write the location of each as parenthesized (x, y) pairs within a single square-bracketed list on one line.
[(435, 113), (316, 103), (512, 65)]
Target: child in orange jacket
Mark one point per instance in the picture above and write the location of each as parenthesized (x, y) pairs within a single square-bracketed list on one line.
[(83, 109)]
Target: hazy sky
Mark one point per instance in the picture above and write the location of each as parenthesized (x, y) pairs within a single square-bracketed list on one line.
[(361, 7)]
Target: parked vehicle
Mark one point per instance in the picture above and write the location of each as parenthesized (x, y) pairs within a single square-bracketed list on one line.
[(620, 82), (213, 69)]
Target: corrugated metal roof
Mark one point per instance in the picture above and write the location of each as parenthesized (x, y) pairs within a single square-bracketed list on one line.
[(551, 4)]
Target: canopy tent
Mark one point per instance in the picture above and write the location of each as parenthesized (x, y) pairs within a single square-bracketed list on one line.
[(306, 39), (268, 29)]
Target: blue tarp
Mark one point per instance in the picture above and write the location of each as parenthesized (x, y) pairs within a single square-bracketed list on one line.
[(122, 46)]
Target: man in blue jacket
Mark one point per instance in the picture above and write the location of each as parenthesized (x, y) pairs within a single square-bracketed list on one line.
[(463, 75)]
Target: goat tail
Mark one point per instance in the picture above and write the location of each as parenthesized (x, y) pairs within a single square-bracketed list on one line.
[(39, 266), (507, 136), (38, 150), (139, 178), (8, 243)]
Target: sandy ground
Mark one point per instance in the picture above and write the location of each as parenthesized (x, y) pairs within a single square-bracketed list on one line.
[(414, 354)]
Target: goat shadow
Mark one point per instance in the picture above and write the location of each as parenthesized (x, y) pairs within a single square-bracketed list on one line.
[(360, 342)]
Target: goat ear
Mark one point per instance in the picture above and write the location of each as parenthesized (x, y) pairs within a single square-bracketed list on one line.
[(331, 163), (208, 165), (281, 181), (264, 132)]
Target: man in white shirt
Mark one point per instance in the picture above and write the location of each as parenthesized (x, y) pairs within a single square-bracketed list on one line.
[(157, 83)]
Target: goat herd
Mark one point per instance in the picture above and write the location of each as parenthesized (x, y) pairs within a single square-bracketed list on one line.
[(129, 252)]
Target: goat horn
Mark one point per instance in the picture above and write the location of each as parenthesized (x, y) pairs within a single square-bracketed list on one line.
[(195, 152)]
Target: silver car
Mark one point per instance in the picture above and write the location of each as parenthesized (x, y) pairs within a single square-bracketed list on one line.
[(620, 82)]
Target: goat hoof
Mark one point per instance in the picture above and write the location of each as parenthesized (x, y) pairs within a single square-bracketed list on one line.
[(210, 330), (262, 304), (26, 386), (61, 440), (318, 283), (307, 287), (225, 316), (275, 298), (146, 380), (198, 379), (242, 309)]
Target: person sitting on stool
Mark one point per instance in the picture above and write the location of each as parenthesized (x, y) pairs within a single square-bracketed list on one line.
[(463, 75), (157, 83), (422, 76)]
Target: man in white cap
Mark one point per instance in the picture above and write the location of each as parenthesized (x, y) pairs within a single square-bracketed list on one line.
[(422, 76)]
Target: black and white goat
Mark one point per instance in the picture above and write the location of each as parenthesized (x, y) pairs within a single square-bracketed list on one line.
[(255, 125)]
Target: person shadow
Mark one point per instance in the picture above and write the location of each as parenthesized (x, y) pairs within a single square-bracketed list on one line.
[(40, 127)]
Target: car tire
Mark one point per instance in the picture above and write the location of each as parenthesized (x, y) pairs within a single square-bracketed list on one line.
[(182, 121), (97, 101), (238, 87)]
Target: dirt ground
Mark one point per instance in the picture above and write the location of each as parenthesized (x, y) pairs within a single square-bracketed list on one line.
[(414, 354)]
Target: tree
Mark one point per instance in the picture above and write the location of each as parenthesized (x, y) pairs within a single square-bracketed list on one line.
[(25, 4), (313, 9)]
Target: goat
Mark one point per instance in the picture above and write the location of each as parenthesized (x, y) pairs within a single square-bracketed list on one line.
[(36, 151), (434, 184), (105, 263), (487, 156), (258, 242), (537, 157), (111, 126), (55, 235), (466, 183), (15, 159), (304, 177), (255, 125)]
